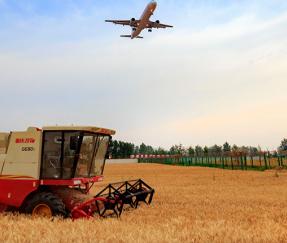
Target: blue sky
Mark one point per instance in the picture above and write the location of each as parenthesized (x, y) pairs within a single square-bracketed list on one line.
[(219, 75)]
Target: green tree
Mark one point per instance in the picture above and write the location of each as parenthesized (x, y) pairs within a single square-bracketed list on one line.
[(283, 145), (137, 150), (244, 149), (253, 151), (160, 151), (128, 149), (216, 150), (149, 149), (198, 150), (226, 147), (115, 148), (120, 149), (142, 149), (235, 148), (191, 151), (177, 149), (205, 150)]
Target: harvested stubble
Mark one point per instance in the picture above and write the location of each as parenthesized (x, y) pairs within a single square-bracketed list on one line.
[(190, 205)]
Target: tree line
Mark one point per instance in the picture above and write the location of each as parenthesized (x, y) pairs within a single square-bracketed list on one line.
[(120, 149)]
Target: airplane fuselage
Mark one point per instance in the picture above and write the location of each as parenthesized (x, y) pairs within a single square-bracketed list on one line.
[(144, 20)]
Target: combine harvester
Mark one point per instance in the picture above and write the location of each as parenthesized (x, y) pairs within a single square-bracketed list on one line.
[(50, 171)]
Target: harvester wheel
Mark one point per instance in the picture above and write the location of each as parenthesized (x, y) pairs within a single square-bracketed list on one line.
[(45, 204)]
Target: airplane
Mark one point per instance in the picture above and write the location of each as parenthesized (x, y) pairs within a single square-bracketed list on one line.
[(143, 23)]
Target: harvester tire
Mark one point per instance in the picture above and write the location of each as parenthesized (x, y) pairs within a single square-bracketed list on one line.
[(45, 204)]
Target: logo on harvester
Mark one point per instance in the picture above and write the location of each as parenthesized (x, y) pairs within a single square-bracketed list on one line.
[(27, 149), (25, 140)]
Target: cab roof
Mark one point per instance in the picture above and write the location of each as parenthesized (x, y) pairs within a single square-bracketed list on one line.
[(80, 128)]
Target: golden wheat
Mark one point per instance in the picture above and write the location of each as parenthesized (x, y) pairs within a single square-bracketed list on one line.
[(191, 204)]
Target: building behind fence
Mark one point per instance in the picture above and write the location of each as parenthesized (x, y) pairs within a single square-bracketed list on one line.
[(243, 161)]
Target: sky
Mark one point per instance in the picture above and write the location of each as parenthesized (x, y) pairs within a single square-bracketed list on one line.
[(219, 75)]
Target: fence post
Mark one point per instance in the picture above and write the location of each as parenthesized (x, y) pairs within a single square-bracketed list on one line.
[(231, 159), (245, 161), (278, 160), (252, 163), (241, 162)]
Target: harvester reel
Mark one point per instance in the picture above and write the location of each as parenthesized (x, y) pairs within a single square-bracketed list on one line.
[(111, 200), (114, 206), (126, 193), (141, 196), (128, 199)]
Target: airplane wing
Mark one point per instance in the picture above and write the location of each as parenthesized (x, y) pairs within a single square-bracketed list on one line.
[(158, 25), (124, 22)]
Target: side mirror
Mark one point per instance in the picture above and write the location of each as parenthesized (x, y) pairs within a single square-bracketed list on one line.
[(74, 141)]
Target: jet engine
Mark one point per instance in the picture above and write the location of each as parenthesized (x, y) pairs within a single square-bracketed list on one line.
[(132, 21), (158, 22)]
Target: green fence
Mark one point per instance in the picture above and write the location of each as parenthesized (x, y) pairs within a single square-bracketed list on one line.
[(243, 162)]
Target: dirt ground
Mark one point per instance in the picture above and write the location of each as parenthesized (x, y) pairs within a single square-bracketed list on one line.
[(191, 204)]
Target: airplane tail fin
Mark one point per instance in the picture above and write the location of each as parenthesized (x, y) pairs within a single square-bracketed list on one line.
[(129, 36)]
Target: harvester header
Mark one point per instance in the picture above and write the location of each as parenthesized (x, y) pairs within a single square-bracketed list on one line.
[(50, 171)]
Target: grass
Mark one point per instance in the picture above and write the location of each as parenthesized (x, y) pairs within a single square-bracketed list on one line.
[(191, 204)]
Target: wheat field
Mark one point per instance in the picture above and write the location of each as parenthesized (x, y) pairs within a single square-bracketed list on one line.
[(191, 204)]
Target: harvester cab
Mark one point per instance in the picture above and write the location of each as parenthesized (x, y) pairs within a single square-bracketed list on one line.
[(73, 154), (50, 172)]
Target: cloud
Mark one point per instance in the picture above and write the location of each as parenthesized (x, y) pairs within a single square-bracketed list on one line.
[(225, 81)]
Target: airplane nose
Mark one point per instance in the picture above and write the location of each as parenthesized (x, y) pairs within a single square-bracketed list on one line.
[(153, 4)]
